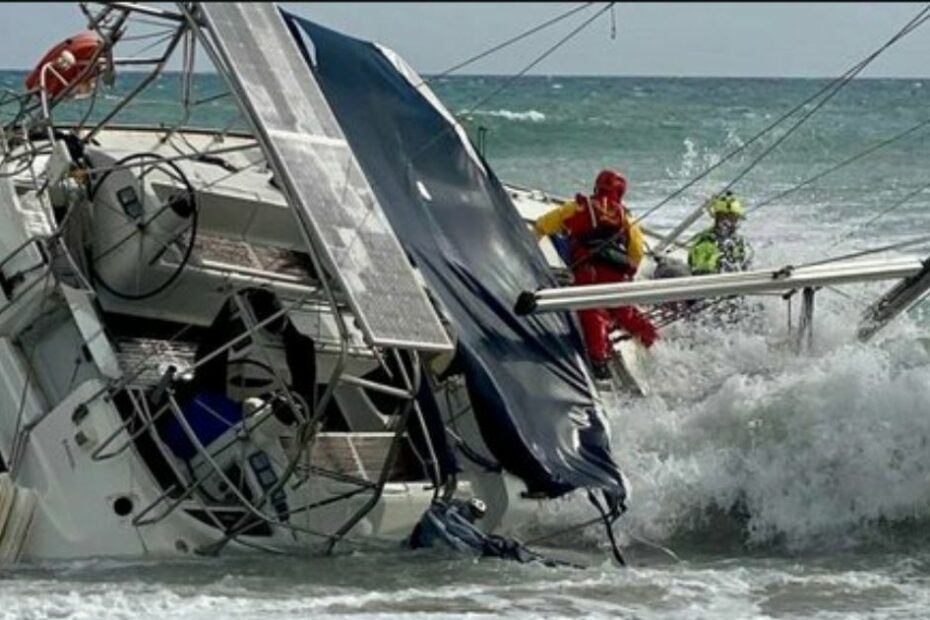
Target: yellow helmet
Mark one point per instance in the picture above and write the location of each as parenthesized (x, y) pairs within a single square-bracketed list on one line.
[(726, 204)]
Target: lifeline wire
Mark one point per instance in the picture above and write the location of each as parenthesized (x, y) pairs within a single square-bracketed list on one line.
[(428, 143), (835, 84), (881, 214), (506, 43), (845, 162), (878, 250), (822, 103)]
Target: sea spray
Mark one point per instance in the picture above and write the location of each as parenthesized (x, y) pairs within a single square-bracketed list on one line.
[(799, 450)]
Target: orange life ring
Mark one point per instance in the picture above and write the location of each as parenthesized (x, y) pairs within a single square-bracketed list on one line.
[(82, 47)]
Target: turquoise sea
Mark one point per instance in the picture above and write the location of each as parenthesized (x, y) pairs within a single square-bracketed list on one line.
[(825, 455)]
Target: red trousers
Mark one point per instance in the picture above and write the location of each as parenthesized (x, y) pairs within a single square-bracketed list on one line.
[(596, 324)]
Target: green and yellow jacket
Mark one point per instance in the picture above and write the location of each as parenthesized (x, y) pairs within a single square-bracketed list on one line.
[(712, 252)]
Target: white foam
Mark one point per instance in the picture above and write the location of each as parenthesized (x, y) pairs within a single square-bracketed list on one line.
[(818, 447), (489, 589), (814, 446), (534, 116)]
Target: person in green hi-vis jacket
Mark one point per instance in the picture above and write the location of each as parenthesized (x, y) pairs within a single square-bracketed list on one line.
[(720, 248)]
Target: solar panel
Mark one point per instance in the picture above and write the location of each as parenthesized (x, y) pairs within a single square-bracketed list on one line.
[(311, 159)]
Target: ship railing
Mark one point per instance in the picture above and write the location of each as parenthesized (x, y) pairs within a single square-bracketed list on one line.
[(185, 493), (8, 283), (18, 285), (142, 421), (335, 281), (249, 335)]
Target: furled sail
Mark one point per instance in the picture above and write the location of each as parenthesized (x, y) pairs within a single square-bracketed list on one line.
[(525, 376)]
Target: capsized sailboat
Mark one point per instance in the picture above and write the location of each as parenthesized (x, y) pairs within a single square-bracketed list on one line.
[(279, 338)]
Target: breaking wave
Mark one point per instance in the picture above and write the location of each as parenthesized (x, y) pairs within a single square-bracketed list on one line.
[(746, 442), (746, 439), (533, 116)]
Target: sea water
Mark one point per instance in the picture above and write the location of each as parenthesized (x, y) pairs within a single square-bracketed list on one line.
[(766, 482)]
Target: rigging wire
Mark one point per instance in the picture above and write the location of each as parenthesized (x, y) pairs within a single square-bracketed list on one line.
[(146, 21), (504, 44), (819, 105), (538, 60), (598, 519), (153, 44), (565, 530), (613, 22), (885, 248), (875, 147), (834, 85), (843, 237), (147, 35), (549, 51), (845, 162), (881, 214), (830, 89)]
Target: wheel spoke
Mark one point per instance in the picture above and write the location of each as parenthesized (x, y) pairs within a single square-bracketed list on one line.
[(171, 242), (115, 246), (123, 226), (155, 237), (139, 266)]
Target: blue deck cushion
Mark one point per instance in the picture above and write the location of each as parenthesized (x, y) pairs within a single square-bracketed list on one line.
[(209, 414)]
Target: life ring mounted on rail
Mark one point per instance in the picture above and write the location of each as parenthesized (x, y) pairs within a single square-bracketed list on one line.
[(67, 63)]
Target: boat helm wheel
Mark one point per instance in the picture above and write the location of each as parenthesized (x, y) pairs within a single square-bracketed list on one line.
[(160, 235)]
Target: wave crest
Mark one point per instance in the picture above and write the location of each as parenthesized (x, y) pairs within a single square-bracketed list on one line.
[(533, 116), (795, 450)]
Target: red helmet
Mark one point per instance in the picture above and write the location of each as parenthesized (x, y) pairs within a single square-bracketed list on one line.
[(611, 184)]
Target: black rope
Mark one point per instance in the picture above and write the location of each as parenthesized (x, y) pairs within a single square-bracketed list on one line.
[(565, 530), (608, 525), (210, 98), (835, 84), (506, 43), (472, 455)]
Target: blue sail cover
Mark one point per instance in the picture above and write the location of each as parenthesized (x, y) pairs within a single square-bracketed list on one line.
[(524, 375)]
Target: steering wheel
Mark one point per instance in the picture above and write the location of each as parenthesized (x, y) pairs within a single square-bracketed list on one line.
[(145, 231)]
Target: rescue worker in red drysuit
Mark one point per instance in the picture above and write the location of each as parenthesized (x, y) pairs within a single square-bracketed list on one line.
[(604, 246)]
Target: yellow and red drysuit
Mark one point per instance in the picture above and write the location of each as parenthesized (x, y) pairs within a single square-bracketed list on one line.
[(604, 246)]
